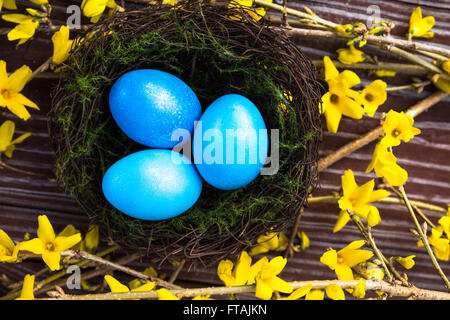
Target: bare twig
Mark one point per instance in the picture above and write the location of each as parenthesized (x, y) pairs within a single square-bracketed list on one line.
[(109, 264), (289, 250), (371, 39), (367, 235), (178, 267), (374, 285), (15, 293), (43, 67), (397, 67), (424, 239), (90, 274), (3, 165)]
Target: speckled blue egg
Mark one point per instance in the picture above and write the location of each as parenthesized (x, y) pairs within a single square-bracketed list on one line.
[(149, 105), (153, 184), (230, 142)]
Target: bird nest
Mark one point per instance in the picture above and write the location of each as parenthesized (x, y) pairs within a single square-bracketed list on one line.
[(216, 51)]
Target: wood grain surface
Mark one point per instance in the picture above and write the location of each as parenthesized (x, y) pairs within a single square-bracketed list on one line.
[(426, 157)]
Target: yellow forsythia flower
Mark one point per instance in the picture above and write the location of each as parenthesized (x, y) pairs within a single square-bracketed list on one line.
[(371, 271), (359, 290), (27, 288), (407, 262), (350, 55), (298, 293), (115, 286), (93, 9), (398, 126), (346, 29), (444, 223), (269, 241), (442, 84), (92, 238), (315, 294), (7, 145), (149, 271), (304, 240), (260, 12), (385, 73), (10, 87), (357, 199), (68, 231), (338, 100), (335, 292), (26, 26), (202, 297), (373, 96), (61, 45), (255, 269), (237, 276), (418, 26), (267, 280), (384, 163), (48, 244), (8, 252), (446, 66), (164, 294), (39, 2), (437, 239), (288, 96), (8, 4), (171, 2), (343, 260), (440, 244)]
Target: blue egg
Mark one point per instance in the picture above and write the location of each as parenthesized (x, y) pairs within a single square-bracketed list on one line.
[(152, 184), (230, 143), (150, 105)]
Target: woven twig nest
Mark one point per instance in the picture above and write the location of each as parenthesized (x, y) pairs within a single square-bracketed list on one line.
[(215, 55)]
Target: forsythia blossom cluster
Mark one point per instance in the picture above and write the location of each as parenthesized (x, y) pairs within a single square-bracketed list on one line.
[(48, 244), (342, 100), (397, 127), (10, 88), (264, 273), (357, 199), (440, 238)]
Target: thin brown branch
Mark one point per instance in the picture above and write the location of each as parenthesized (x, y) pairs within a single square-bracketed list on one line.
[(419, 204), (90, 274), (424, 239), (397, 67), (372, 285), (115, 266), (367, 235), (289, 250), (371, 39), (178, 267)]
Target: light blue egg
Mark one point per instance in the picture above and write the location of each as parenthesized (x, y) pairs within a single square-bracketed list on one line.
[(230, 143), (152, 184), (150, 105)]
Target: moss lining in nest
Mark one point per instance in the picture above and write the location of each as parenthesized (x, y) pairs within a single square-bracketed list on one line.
[(214, 55)]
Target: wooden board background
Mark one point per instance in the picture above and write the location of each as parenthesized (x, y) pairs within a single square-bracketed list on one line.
[(426, 157)]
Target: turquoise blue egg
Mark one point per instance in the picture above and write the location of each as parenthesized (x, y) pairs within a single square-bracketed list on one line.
[(150, 105), (153, 184), (230, 143)]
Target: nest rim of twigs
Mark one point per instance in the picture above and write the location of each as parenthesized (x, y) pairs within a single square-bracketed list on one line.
[(290, 82)]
